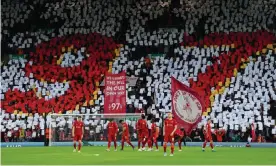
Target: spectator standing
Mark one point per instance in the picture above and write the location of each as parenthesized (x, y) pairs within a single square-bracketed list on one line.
[(10, 136), (28, 134), (243, 137), (130, 109), (21, 135), (260, 138), (196, 137), (219, 133), (47, 134), (15, 135)]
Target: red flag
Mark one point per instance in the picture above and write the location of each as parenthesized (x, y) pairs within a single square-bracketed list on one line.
[(187, 105), (253, 133), (115, 93)]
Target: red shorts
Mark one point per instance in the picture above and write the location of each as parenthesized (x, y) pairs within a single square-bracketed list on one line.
[(77, 137), (168, 138), (154, 137), (111, 137), (143, 135), (178, 137), (208, 139), (125, 138)]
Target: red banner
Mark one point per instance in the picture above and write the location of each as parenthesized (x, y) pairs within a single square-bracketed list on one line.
[(187, 105), (115, 93)]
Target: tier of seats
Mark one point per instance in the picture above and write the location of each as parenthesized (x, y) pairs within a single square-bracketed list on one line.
[(211, 69), (50, 81)]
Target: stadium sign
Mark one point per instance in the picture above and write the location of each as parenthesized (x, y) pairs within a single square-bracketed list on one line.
[(13, 146), (131, 81), (115, 93)]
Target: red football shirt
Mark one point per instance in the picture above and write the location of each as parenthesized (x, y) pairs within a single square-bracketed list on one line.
[(179, 133), (112, 128), (153, 128), (126, 131), (142, 125), (78, 125), (208, 130), (169, 126)]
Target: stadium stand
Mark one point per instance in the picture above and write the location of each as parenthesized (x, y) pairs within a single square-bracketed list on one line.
[(215, 47)]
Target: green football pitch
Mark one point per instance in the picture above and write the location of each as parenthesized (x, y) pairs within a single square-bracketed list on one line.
[(98, 156)]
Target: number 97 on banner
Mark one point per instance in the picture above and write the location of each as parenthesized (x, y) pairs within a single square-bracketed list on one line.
[(114, 106)]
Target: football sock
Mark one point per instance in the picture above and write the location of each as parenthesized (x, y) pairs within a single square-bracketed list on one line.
[(75, 145), (143, 144), (139, 144), (165, 148), (115, 144), (204, 144), (172, 148), (123, 144), (212, 145), (130, 144), (79, 146), (156, 145), (108, 145), (150, 144), (179, 144)]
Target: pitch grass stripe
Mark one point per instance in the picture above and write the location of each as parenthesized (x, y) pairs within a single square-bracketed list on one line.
[(142, 165), (189, 156)]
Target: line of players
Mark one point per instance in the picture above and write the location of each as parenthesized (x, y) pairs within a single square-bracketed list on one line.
[(171, 134), (144, 136)]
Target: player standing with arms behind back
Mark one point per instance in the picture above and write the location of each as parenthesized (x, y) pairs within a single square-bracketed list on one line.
[(112, 128), (208, 136), (77, 133), (143, 132), (170, 127)]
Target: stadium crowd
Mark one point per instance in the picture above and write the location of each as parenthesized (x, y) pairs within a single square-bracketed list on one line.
[(215, 47)]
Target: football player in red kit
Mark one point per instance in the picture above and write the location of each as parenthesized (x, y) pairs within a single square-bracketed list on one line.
[(208, 136), (125, 134), (143, 132), (112, 128), (179, 135), (153, 135), (170, 127), (77, 133)]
